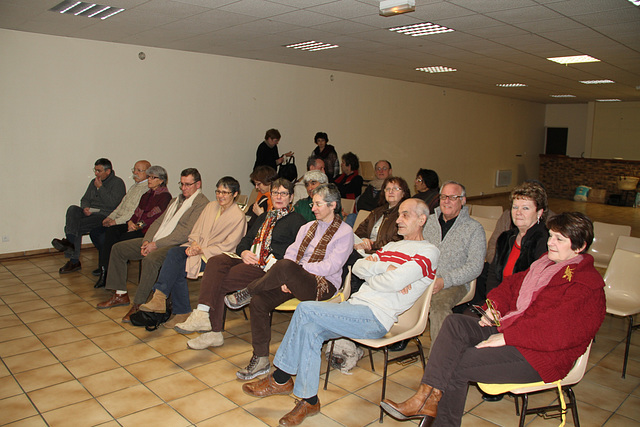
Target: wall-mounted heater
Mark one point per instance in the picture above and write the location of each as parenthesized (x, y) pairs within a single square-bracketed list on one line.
[(503, 178)]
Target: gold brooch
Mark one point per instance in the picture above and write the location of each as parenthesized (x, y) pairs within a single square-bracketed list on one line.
[(568, 274)]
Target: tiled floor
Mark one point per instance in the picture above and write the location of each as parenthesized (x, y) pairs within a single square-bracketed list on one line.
[(66, 363)]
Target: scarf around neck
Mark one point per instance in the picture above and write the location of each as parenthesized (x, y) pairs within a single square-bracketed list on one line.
[(172, 215), (262, 241)]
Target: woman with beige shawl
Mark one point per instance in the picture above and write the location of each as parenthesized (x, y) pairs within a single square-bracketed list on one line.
[(218, 229)]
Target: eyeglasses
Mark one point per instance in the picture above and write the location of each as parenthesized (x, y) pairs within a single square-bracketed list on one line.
[(452, 198), (318, 204), (134, 170), (186, 184), (382, 169), (280, 193), (98, 170), (223, 193), (309, 183), (389, 190), (152, 177)]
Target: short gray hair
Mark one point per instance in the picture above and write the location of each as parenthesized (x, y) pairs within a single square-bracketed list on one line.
[(329, 194), (464, 190), (160, 172), (315, 175)]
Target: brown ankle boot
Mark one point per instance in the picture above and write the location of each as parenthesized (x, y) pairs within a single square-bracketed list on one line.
[(158, 303), (423, 404)]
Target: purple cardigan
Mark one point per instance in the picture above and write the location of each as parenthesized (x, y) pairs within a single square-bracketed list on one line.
[(152, 204)]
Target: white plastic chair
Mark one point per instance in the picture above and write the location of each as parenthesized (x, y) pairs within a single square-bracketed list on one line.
[(488, 224), (343, 294), (487, 211), (605, 237), (362, 215), (366, 170), (348, 205), (631, 244)]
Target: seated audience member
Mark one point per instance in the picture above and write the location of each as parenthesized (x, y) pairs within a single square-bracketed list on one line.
[(267, 152), (219, 229), (150, 207), (349, 182), (312, 180), (370, 199), (103, 195), (299, 191), (170, 230), (261, 177), (395, 277), (265, 242), (427, 185), (309, 271), (327, 153), (380, 227), (125, 209), (462, 245), (544, 320)]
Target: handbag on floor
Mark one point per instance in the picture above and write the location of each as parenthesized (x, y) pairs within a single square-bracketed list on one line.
[(151, 321)]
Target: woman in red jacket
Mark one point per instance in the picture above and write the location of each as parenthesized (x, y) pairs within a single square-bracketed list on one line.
[(542, 320)]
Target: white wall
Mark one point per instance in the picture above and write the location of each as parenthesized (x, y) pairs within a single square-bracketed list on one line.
[(575, 118), (65, 102), (616, 130)]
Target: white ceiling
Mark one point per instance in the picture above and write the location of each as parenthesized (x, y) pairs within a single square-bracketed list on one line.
[(496, 41)]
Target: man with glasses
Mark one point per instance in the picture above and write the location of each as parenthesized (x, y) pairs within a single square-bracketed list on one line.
[(462, 243), (369, 199), (170, 230), (103, 195)]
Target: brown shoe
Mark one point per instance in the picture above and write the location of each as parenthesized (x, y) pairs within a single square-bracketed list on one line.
[(133, 309), (70, 267), (267, 387), (423, 404), (115, 301), (174, 319), (302, 410), (157, 304)]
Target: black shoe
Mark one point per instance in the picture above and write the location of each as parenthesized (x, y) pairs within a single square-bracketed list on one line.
[(492, 397), (399, 346), (96, 272), (62, 245), (70, 267), (102, 280)]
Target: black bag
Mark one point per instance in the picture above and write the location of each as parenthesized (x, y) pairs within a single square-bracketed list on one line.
[(149, 320), (289, 170)]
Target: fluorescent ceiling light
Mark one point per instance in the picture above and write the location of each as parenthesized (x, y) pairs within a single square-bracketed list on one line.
[(312, 46), (609, 100), (396, 7), (578, 59), (511, 85), (562, 96), (86, 9), (596, 82), (422, 29), (436, 69), (635, 2)]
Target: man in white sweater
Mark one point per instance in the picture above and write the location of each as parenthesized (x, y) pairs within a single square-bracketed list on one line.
[(395, 277)]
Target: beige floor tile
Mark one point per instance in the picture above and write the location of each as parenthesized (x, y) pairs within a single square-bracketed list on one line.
[(87, 413), (232, 347), (58, 396), (44, 377), (343, 410), (360, 378), (188, 359), (236, 416), (9, 320), (90, 365), (35, 421), (332, 393), (24, 306), (152, 369), (109, 381), (87, 318), (373, 392), (502, 412), (44, 284), (604, 398), (170, 344), (51, 325), (176, 386), (468, 420), (116, 340), (128, 401), (19, 331), (134, 354), (53, 292), (630, 408), (39, 276), (202, 405), (20, 346), (38, 315), (79, 307), (215, 373), (101, 328), (232, 390), (621, 421), (63, 300), (4, 371), (75, 350), (21, 298), (64, 336), (16, 408), (9, 387), (161, 415), (611, 378), (26, 361)]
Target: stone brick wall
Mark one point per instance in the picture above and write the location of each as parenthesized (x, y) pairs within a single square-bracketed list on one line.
[(561, 174)]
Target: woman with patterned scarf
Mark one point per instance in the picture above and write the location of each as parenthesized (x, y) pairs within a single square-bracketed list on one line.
[(266, 240), (310, 270)]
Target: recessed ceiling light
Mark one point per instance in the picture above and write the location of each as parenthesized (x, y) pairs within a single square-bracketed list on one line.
[(312, 46), (436, 69), (609, 100), (511, 85), (88, 10), (596, 82), (562, 96), (422, 29), (578, 59), (396, 7), (635, 2)]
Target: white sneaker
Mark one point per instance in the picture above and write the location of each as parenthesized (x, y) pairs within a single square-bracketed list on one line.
[(197, 322), (209, 339)]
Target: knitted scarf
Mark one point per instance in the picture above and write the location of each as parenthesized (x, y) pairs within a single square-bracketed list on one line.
[(540, 274), (322, 285), (263, 237)]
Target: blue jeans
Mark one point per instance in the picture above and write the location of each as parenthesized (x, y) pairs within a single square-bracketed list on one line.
[(172, 280), (312, 324)]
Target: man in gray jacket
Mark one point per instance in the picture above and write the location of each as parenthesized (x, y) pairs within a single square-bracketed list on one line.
[(462, 243), (171, 229)]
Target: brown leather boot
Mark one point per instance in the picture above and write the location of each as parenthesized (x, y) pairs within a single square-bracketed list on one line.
[(423, 404), (127, 317), (157, 304)]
